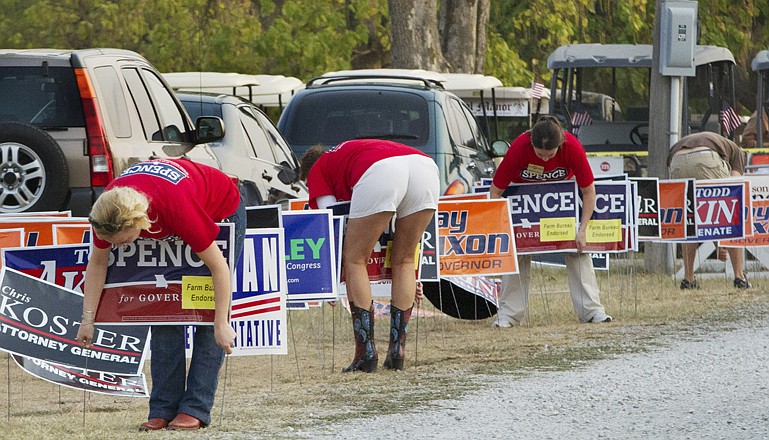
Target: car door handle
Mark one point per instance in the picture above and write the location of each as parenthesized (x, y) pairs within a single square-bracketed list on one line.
[(266, 176)]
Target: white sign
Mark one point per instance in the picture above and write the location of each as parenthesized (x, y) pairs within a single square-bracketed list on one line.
[(505, 107)]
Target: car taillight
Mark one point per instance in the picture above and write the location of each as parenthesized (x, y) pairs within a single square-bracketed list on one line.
[(456, 187), (98, 146)]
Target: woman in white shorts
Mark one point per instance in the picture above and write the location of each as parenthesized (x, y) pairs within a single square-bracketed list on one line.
[(379, 178)]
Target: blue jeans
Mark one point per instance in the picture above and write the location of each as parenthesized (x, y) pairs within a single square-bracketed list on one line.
[(169, 395)]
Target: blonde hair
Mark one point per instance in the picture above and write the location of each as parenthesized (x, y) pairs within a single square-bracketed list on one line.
[(119, 209)]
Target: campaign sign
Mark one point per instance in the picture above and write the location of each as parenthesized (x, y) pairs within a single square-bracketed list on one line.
[(118, 385), (673, 202), (40, 320), (161, 283), (259, 295), (428, 259), (379, 271), (310, 255), (475, 237), (263, 216), (600, 260), (72, 234), (11, 238), (607, 230), (62, 265), (544, 216), (647, 202), (759, 194), (719, 209), (39, 229)]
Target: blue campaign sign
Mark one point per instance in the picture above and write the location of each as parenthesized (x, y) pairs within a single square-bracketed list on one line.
[(142, 261), (530, 202), (611, 201), (63, 265), (310, 255), (719, 208)]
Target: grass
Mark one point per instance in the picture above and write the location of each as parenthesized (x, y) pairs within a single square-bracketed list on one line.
[(278, 396)]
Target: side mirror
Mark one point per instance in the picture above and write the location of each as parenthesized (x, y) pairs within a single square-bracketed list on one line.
[(209, 129), (287, 175), (499, 148)]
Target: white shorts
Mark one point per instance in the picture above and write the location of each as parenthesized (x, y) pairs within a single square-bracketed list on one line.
[(401, 184)]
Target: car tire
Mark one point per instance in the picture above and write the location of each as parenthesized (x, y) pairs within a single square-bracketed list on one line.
[(34, 175)]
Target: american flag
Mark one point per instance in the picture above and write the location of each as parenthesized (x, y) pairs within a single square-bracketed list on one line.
[(579, 118), (255, 305), (536, 90), (729, 118)]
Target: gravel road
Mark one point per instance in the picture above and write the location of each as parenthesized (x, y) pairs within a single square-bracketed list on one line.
[(708, 386)]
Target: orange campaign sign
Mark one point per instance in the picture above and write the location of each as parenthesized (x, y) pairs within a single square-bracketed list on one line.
[(298, 204), (39, 230), (475, 237), (673, 209), (72, 234), (11, 238)]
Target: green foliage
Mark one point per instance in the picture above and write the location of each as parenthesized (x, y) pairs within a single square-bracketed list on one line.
[(305, 38)]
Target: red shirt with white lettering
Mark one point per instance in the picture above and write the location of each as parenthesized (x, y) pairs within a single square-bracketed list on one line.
[(521, 164), (338, 170), (186, 200)]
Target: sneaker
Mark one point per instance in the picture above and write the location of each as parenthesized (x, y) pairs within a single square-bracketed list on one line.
[(600, 318), (501, 323), (686, 284), (741, 283)]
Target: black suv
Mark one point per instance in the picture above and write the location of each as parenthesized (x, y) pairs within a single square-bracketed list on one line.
[(410, 109), (72, 120)]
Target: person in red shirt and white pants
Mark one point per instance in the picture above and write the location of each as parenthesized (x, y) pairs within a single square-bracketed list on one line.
[(380, 179)]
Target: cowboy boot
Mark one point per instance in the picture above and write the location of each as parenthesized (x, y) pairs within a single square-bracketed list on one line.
[(399, 326), (366, 357)]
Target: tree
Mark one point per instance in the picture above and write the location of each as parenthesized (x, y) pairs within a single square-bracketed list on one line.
[(451, 37)]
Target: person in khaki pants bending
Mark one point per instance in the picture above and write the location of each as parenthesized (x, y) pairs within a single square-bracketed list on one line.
[(702, 156)]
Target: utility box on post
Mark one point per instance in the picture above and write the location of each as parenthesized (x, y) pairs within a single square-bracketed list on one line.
[(678, 35)]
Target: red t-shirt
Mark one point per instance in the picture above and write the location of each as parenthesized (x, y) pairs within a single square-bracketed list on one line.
[(186, 200), (337, 171), (522, 165)]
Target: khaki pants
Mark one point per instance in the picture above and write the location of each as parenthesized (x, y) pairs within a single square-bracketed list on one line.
[(700, 164), (583, 286)]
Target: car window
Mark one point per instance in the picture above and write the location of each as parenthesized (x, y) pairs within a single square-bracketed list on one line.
[(463, 135), (111, 96), (143, 104), (40, 96), (171, 117), (197, 108), (280, 148), (480, 142), (256, 135), (331, 117)]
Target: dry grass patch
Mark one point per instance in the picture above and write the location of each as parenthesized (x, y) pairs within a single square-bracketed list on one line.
[(276, 396)]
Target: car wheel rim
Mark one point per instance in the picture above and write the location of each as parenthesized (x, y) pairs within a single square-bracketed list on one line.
[(22, 177)]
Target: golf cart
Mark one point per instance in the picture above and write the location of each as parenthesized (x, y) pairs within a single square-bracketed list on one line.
[(622, 72)]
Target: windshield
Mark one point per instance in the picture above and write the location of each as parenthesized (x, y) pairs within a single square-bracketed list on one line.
[(331, 117)]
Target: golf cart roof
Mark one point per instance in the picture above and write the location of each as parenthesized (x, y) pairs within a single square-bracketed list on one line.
[(265, 90), (469, 82), (760, 61), (624, 55)]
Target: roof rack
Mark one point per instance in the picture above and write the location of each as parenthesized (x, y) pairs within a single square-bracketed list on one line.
[(324, 80)]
